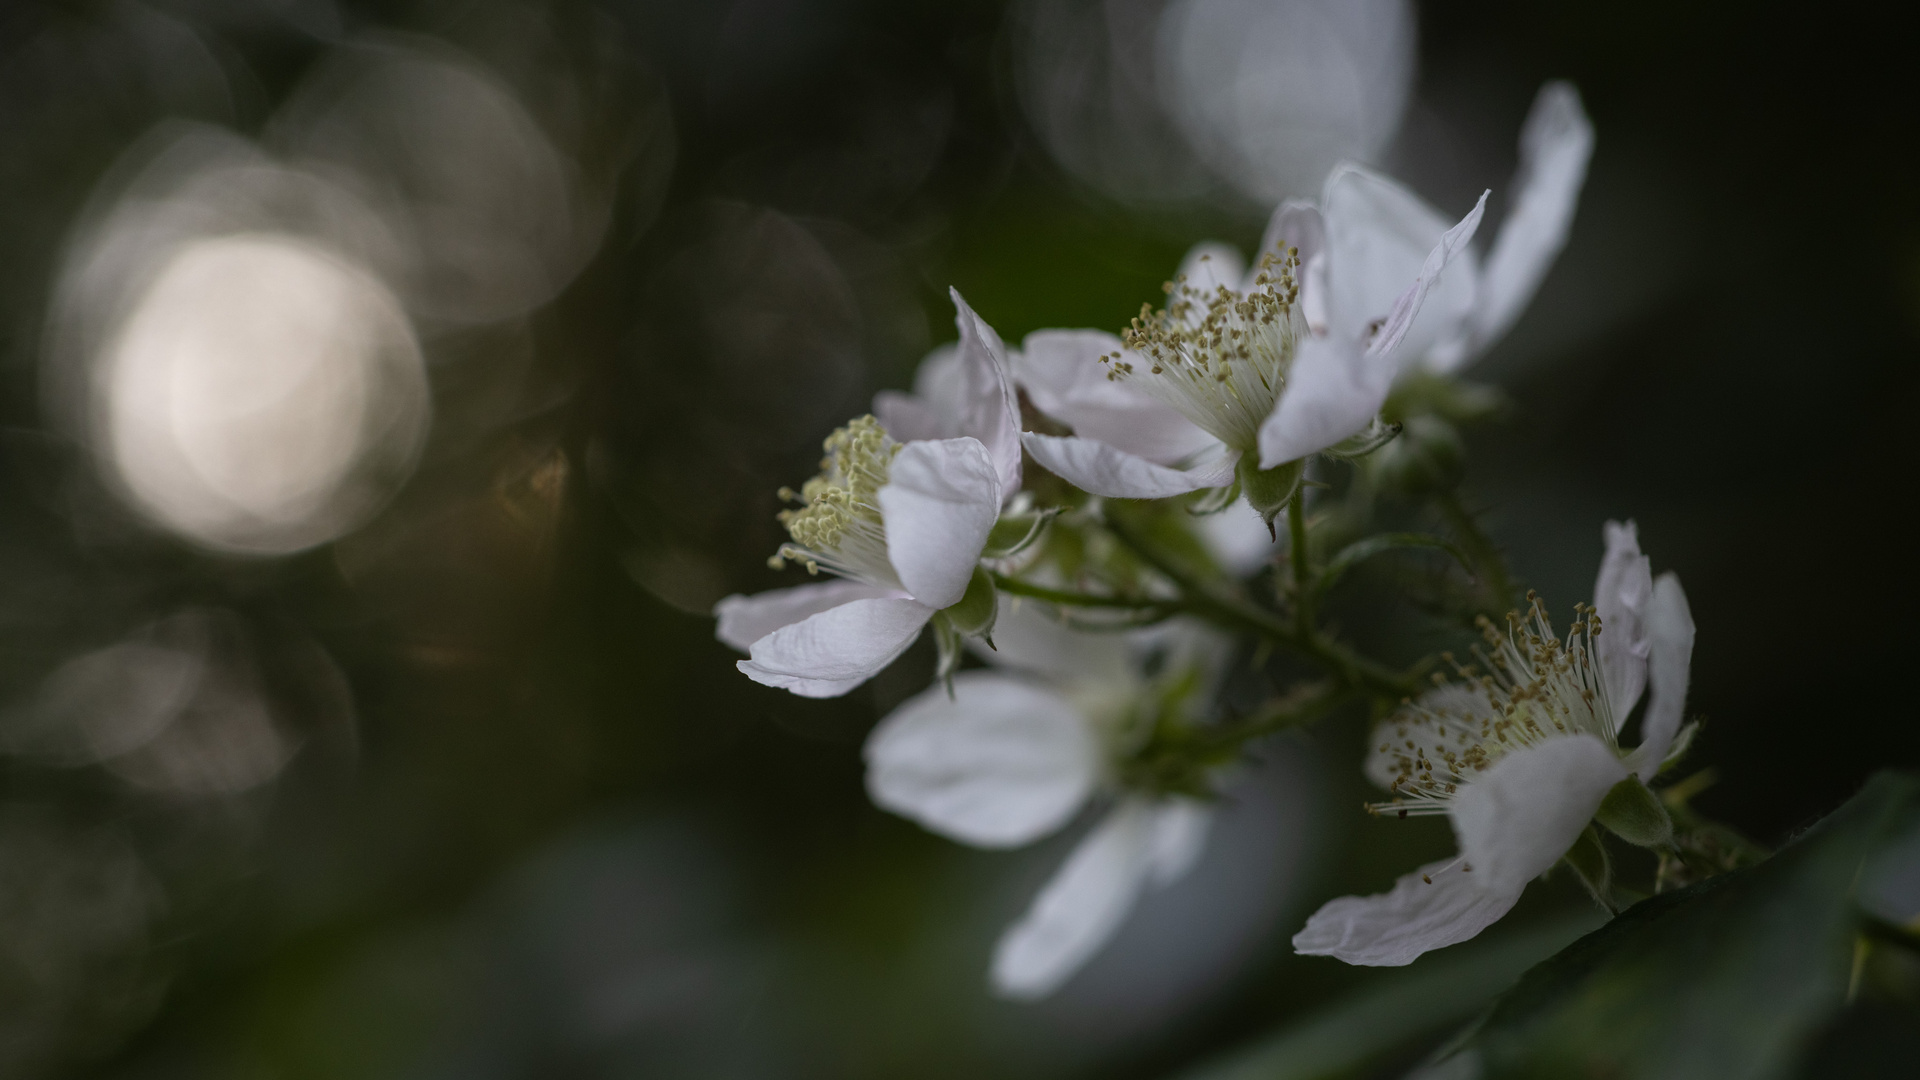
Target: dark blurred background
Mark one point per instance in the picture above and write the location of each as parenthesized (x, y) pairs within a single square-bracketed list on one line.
[(421, 761)]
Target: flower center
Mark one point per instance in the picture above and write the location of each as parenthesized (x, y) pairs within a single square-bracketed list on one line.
[(838, 525), (1536, 686), (1218, 358)]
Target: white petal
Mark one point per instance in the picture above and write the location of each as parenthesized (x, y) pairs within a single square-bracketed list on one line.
[(826, 655), (1379, 239), (1333, 390), (940, 501), (744, 620), (1669, 656), (1515, 820), (1064, 379), (1619, 595), (1555, 146), (1084, 903), (999, 764), (1436, 291), (1027, 636), (1180, 828), (989, 411), (1099, 469), (1438, 905), (1209, 265), (1300, 225), (1237, 539)]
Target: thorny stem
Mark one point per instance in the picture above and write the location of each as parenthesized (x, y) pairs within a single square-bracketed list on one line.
[(1209, 602), (1486, 554), (1279, 714)]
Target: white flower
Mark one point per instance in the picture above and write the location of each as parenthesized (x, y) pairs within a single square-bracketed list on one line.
[(1012, 756), (1229, 370), (1519, 758), (1378, 232), (902, 519)]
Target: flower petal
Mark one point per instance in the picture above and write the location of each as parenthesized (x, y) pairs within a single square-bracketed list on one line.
[(1380, 237), (1237, 539), (940, 500), (1027, 637), (1438, 905), (1436, 284), (744, 620), (1300, 225), (999, 764), (826, 655), (938, 401), (1099, 469), (989, 413), (1207, 267), (1619, 596), (1555, 145), (1669, 656), (1333, 390), (1086, 900), (1063, 377), (1516, 819)]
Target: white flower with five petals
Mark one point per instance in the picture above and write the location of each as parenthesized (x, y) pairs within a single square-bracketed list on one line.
[(902, 517), (1231, 373), (1520, 759), (1013, 755)]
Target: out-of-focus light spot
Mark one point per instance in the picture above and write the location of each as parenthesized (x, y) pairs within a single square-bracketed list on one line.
[(487, 205), (179, 707), (1274, 93), (1089, 83), (250, 383), (76, 908)]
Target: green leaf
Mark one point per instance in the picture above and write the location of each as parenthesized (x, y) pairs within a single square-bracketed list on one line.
[(1729, 978), (1400, 1006)]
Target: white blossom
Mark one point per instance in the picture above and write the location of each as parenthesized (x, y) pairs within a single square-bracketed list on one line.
[(901, 518), (1231, 368), (1013, 755), (1519, 757)]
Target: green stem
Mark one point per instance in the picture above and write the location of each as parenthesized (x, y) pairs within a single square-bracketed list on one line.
[(1486, 554), (1297, 557), (1278, 715), (1204, 599)]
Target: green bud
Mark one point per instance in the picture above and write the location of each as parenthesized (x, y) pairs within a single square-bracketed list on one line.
[(1428, 456), (1269, 490), (973, 616), (1634, 814)]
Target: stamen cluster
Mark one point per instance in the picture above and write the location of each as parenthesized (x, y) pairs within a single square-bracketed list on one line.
[(1536, 686), (1220, 357), (839, 524)]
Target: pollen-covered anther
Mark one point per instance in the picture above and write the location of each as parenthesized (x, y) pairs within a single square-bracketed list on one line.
[(839, 525)]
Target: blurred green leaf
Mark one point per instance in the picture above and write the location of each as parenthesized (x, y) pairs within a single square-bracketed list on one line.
[(1442, 989), (1730, 978)]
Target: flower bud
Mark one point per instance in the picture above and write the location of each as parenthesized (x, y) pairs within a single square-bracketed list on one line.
[(973, 616), (1269, 490), (1634, 814)]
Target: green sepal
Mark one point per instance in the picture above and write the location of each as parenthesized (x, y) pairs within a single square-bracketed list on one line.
[(973, 616), (1375, 435), (1269, 490), (1590, 863), (1214, 500), (1635, 814), (1015, 533), (947, 650)]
